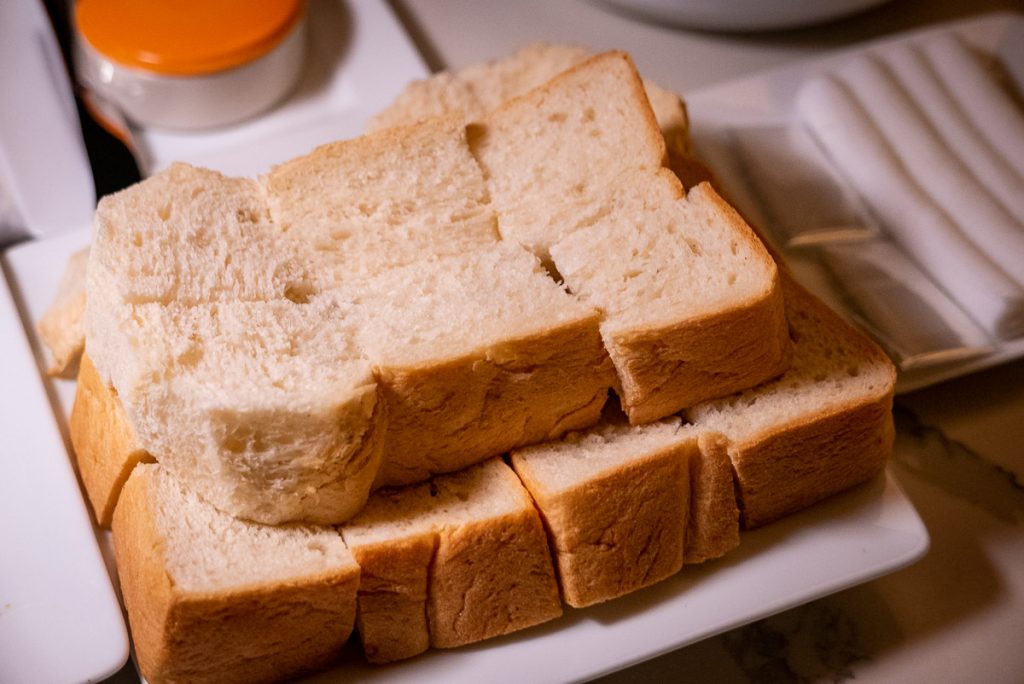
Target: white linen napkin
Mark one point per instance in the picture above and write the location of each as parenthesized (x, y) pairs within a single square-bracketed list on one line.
[(804, 201), (909, 316), (935, 167), (936, 101), (910, 216), (992, 110)]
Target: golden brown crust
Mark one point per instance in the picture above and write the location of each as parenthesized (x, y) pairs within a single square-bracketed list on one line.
[(788, 467), (800, 464), (620, 531), (491, 578), (392, 600), (434, 577), (713, 528), (259, 633), (444, 417), (664, 369), (146, 589), (670, 368), (105, 445)]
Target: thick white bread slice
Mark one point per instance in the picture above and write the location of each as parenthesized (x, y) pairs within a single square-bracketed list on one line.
[(183, 236), (566, 144), (476, 354), (478, 89), (189, 235), (450, 562), (822, 427), (215, 599), (62, 327), (106, 448), (692, 301), (615, 502), (265, 408), (383, 200), (713, 526)]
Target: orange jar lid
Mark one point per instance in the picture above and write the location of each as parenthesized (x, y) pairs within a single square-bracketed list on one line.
[(186, 37)]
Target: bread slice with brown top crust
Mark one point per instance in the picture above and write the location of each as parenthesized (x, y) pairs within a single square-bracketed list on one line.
[(450, 562), (820, 428), (215, 599)]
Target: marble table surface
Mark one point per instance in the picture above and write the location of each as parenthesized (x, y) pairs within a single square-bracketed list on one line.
[(957, 614)]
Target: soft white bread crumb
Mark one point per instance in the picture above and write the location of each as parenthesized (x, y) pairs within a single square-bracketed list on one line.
[(214, 599), (62, 327), (183, 236), (266, 408), (615, 502), (658, 257), (357, 207), (693, 308), (477, 354), (567, 142), (190, 235), (822, 427), (480, 88), (453, 561)]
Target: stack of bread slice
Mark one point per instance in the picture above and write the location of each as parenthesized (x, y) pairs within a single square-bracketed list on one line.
[(328, 363)]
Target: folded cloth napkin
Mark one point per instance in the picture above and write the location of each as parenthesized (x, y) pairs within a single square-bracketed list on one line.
[(988, 105), (912, 319), (782, 162), (934, 95), (911, 217), (935, 167)]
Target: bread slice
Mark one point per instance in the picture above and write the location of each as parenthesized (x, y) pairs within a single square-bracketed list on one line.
[(357, 207), (189, 235), (266, 408), (481, 88), (106, 448), (183, 236), (62, 327), (713, 526), (214, 599), (561, 148), (822, 427), (615, 501), (476, 354), (692, 302), (450, 562)]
